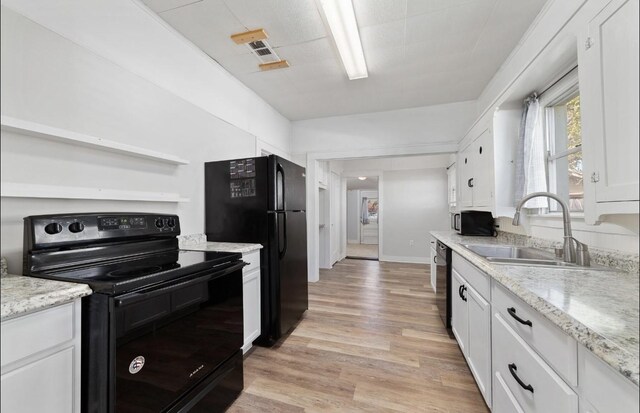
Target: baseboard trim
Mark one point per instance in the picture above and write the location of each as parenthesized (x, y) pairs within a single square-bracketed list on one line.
[(407, 260)]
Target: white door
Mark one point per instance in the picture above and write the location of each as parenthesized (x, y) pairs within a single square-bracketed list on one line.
[(459, 314), (369, 231), (465, 192), (609, 92), (334, 217), (482, 166), (479, 345)]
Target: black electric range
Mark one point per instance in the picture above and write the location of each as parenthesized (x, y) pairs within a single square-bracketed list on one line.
[(164, 328)]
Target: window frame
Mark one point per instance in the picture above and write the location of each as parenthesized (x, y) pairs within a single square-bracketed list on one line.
[(566, 88)]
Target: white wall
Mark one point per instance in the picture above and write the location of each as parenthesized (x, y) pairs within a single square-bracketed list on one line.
[(546, 51), (353, 216), (130, 35), (416, 127), (53, 80), (415, 202)]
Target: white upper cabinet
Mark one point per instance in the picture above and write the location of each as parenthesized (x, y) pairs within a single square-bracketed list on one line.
[(485, 166), (608, 70), (476, 172)]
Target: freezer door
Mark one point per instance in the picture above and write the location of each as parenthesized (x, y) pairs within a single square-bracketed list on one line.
[(287, 181), (236, 200)]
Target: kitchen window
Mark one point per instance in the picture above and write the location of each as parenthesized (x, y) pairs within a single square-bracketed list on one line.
[(563, 137)]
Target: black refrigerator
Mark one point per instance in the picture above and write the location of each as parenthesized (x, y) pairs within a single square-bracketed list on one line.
[(263, 200)]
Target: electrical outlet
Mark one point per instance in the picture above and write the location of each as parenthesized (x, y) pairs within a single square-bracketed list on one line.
[(411, 243)]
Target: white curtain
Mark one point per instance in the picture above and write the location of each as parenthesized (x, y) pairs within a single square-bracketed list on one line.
[(530, 158), (365, 211)]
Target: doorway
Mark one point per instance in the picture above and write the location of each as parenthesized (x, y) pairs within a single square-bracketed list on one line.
[(363, 212)]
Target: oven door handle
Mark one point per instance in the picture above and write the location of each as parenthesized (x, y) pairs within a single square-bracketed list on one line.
[(151, 292)]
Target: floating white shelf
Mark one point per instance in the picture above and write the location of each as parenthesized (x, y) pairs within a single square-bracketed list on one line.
[(61, 135), (19, 190)]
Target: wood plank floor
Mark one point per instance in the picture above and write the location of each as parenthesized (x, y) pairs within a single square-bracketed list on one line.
[(371, 341)]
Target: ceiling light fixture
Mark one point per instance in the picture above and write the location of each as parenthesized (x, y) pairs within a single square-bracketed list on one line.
[(362, 178), (342, 22)]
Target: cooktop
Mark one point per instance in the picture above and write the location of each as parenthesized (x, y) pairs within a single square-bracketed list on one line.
[(128, 274)]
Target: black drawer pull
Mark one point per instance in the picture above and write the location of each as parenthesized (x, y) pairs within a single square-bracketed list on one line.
[(460, 290), (464, 297), (513, 369), (512, 313), (470, 183)]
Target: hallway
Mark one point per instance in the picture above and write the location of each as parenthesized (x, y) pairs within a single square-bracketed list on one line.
[(363, 251), (371, 341)]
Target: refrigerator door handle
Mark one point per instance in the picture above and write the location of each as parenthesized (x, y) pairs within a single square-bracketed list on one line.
[(281, 203), (282, 252)]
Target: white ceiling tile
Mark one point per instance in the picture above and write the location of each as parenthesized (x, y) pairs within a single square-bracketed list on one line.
[(286, 22), (307, 52), (418, 52), (374, 12), (163, 5), (209, 25)]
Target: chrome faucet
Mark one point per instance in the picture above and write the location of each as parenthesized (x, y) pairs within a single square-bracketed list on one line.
[(570, 243)]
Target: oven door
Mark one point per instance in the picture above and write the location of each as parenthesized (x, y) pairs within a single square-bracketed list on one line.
[(172, 337)]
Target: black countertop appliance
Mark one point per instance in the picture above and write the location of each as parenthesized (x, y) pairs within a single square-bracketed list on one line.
[(163, 330), (263, 200)]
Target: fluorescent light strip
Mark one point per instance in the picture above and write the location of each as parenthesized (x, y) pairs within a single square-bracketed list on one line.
[(343, 26)]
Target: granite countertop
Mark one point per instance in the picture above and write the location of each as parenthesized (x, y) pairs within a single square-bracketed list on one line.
[(21, 295), (600, 309), (223, 247)]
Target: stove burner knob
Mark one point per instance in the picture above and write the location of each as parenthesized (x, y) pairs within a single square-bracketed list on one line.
[(171, 222), (53, 228), (159, 223), (76, 227)]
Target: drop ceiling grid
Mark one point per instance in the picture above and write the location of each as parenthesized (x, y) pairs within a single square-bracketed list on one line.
[(418, 52)]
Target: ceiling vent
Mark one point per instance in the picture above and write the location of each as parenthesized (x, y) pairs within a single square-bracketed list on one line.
[(256, 41)]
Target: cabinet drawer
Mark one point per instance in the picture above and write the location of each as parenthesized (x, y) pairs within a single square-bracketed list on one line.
[(503, 399), (253, 259), (32, 333), (514, 360), (45, 385), (605, 388), (478, 279), (555, 346)]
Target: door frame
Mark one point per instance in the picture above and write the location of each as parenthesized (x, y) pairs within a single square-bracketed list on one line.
[(313, 171), (369, 174)]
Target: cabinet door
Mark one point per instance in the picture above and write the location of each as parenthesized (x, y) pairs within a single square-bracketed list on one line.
[(459, 314), (465, 191), (434, 257), (44, 385), (609, 89), (479, 345), (482, 152), (251, 307)]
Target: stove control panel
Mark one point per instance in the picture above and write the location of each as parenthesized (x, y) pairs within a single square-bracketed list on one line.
[(49, 231)]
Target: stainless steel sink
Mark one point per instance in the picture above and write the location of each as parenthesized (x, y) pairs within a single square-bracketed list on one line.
[(509, 252), (514, 255)]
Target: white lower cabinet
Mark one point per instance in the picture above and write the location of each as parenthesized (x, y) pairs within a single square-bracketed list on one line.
[(41, 361), (251, 299), (434, 267), (521, 361), (479, 347), (535, 386), (459, 312), (503, 399), (471, 326)]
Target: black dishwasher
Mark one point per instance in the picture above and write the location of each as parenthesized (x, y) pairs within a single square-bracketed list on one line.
[(443, 283)]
